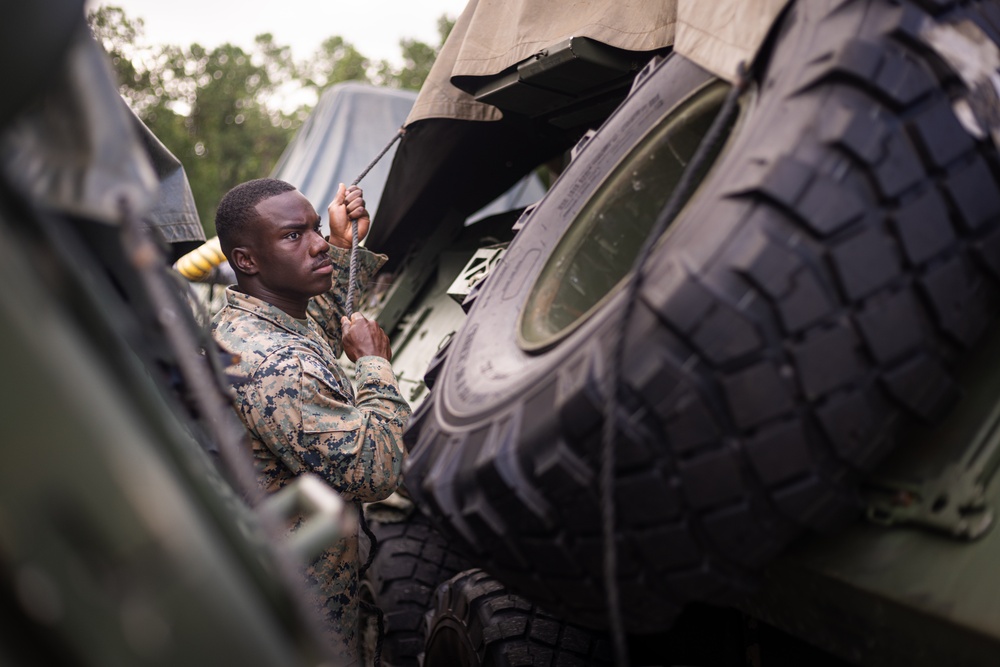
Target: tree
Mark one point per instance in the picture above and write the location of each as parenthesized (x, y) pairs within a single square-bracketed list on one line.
[(336, 60), (120, 36), (214, 109), (418, 57), (234, 134), (225, 112)]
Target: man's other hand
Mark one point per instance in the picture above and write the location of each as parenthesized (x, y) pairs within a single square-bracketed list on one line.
[(362, 337)]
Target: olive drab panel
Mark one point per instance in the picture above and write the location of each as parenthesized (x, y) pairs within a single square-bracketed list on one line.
[(84, 159)]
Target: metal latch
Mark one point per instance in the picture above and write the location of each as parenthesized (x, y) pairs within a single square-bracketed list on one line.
[(955, 500), (475, 270)]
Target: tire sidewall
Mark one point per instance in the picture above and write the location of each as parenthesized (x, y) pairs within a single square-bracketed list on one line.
[(487, 368)]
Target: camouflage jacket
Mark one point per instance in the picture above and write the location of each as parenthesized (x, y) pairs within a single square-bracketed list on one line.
[(303, 415)]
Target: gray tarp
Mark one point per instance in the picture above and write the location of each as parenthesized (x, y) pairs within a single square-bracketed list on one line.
[(351, 124), (173, 215), (491, 35)]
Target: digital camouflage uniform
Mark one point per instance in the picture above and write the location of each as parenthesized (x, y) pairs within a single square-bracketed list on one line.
[(303, 415)]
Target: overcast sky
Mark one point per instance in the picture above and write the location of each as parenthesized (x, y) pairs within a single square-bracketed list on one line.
[(374, 27)]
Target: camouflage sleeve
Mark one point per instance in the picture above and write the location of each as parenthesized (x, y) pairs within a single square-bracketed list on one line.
[(312, 425), (327, 308)]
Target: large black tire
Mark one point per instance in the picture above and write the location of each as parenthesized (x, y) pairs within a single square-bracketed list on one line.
[(816, 292), (476, 622), (411, 561)]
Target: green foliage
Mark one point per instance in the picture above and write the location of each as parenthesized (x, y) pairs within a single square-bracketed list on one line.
[(228, 114), (119, 35), (334, 61), (418, 58)]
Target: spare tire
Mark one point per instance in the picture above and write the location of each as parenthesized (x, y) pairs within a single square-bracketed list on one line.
[(838, 258), (411, 561), (476, 622)]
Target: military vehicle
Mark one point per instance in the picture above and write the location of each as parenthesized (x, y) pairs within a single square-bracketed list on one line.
[(723, 396), (129, 529), (731, 375)]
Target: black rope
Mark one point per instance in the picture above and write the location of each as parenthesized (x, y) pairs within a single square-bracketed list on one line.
[(354, 223), (368, 606), (613, 374), (352, 278), (371, 538), (399, 133)]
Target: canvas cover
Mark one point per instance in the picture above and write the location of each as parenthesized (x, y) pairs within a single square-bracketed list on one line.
[(451, 162), (719, 35), (491, 35)]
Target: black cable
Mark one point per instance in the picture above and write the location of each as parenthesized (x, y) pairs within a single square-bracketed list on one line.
[(352, 276), (371, 538), (368, 606), (613, 378)]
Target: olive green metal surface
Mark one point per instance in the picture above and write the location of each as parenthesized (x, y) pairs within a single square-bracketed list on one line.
[(920, 591)]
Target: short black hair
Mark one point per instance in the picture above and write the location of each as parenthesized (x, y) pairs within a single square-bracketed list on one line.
[(238, 208)]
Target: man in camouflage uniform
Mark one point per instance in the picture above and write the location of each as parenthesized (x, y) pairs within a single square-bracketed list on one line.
[(285, 320)]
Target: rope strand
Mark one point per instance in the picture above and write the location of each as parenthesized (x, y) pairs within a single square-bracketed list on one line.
[(353, 275), (349, 307), (367, 606), (613, 375)]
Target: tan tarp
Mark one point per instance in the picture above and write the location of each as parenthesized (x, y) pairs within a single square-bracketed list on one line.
[(718, 35), (491, 35)]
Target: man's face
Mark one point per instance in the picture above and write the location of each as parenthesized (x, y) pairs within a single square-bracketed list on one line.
[(290, 253)]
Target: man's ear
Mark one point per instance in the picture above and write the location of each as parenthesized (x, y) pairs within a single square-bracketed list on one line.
[(243, 261)]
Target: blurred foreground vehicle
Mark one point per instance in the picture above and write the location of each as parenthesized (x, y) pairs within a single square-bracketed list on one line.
[(126, 536), (755, 308)]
